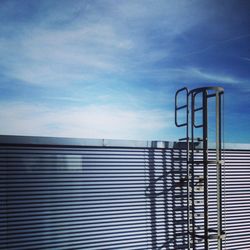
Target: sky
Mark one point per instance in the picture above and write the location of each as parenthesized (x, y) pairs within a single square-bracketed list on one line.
[(109, 69)]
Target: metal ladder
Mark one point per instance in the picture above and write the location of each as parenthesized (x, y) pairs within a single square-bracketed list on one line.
[(198, 162)]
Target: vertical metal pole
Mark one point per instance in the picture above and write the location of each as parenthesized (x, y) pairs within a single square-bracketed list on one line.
[(205, 170), (188, 172), (192, 170), (218, 165)]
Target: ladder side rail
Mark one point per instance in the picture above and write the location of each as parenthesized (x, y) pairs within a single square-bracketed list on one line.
[(186, 141), (187, 166), (205, 166), (192, 173), (218, 171)]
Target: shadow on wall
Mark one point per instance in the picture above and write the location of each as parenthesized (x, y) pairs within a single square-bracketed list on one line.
[(166, 194)]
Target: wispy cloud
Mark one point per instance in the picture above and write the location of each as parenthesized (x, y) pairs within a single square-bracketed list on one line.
[(216, 44), (94, 121), (194, 74), (213, 77)]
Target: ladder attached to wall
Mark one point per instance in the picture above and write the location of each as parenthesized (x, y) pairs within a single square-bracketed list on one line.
[(200, 229)]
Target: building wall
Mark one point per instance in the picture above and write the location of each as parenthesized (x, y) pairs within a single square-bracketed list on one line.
[(103, 194)]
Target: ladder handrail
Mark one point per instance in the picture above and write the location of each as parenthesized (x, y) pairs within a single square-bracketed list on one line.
[(181, 107), (199, 90)]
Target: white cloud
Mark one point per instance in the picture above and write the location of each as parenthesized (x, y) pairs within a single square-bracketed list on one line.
[(95, 121)]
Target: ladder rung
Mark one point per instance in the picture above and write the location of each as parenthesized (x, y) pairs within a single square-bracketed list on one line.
[(198, 126), (181, 107), (182, 125), (198, 109), (210, 236), (184, 139), (207, 162), (198, 139), (211, 95)]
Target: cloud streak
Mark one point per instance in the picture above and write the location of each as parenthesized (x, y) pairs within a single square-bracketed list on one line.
[(213, 77)]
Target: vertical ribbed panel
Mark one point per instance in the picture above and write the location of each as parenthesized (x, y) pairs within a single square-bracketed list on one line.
[(97, 198)]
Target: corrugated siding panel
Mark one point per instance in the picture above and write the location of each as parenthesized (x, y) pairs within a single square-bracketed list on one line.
[(237, 207), (73, 198), (99, 198)]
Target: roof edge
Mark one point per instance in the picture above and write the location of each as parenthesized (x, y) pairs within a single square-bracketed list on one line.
[(85, 142)]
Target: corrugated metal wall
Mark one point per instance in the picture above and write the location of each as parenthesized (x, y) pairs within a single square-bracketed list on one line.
[(59, 196), (237, 173)]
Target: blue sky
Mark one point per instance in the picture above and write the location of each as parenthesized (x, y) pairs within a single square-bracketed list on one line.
[(110, 69)]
